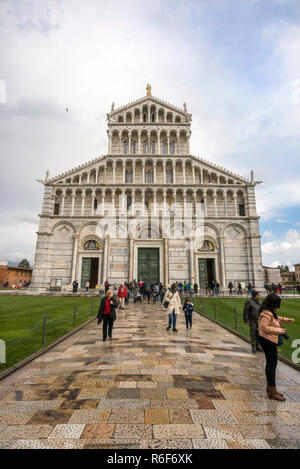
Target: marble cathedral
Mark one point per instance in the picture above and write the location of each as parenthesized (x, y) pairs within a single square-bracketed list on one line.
[(106, 218)]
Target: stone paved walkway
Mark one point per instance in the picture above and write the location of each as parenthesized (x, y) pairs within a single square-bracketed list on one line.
[(149, 388)]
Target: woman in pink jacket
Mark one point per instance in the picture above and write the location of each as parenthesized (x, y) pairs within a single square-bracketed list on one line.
[(270, 336), (122, 294)]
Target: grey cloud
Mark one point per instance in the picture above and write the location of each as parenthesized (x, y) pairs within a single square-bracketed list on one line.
[(41, 25), (36, 108)]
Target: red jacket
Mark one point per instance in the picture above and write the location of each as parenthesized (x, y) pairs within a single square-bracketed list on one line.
[(122, 293)]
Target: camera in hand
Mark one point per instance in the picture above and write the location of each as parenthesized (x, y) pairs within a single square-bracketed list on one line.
[(285, 336)]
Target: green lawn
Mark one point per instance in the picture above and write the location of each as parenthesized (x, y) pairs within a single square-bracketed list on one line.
[(225, 315), (20, 314)]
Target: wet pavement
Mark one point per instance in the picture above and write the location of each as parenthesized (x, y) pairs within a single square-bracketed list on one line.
[(149, 388)]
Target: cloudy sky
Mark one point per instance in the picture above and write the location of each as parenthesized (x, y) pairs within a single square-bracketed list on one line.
[(236, 63)]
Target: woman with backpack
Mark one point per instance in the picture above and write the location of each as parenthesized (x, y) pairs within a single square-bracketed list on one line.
[(172, 302), (270, 335), (107, 314), (188, 309)]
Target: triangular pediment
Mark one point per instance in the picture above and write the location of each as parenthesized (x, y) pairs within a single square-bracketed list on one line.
[(149, 99)]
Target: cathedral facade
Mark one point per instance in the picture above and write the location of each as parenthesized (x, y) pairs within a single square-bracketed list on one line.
[(147, 210)]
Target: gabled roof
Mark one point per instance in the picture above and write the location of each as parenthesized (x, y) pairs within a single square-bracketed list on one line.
[(197, 159), (147, 98)]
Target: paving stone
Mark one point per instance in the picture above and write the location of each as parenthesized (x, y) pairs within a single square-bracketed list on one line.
[(223, 432), (89, 416), (178, 431), (133, 431), (284, 444), (67, 431), (15, 432), (95, 431), (248, 444), (256, 431), (111, 444), (166, 444), (48, 443), (127, 416), (15, 418), (177, 393), (180, 416), (210, 444), (156, 416), (210, 417)]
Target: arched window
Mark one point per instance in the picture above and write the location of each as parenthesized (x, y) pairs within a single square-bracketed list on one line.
[(145, 117), (153, 147), (172, 147), (153, 117), (134, 147), (128, 176), (149, 177), (169, 175), (125, 148), (165, 147), (144, 147)]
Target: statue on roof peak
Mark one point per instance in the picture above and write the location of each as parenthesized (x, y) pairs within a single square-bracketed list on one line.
[(148, 88)]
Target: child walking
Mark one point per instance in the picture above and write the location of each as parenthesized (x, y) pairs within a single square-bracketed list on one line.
[(188, 309)]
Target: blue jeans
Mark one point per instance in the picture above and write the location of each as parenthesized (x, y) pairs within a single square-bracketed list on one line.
[(172, 318), (188, 320)]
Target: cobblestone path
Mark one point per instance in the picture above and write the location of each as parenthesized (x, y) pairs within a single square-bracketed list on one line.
[(149, 388)]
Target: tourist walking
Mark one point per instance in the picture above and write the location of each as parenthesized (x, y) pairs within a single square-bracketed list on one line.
[(207, 288), (230, 286), (106, 285), (122, 294), (188, 309), (196, 288), (240, 292), (107, 314), (172, 302), (250, 316), (87, 286), (270, 336)]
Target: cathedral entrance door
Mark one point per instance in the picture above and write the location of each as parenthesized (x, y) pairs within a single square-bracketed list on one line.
[(89, 271), (148, 265), (207, 272)]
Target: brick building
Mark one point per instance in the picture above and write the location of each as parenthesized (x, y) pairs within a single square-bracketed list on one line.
[(14, 275)]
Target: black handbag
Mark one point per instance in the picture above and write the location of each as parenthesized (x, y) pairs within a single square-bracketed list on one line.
[(166, 303)]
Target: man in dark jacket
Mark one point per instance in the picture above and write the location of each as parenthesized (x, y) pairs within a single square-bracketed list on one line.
[(250, 317), (75, 286)]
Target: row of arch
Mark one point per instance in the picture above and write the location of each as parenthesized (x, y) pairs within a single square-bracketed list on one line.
[(136, 142), (131, 170), (89, 202), (150, 113)]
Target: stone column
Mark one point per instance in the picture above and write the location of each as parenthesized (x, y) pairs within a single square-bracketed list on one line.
[(133, 172), (165, 203), (158, 144), (225, 203), (184, 204), (154, 172), (130, 260), (174, 171), (183, 172), (165, 172), (168, 143), (82, 203), (178, 143), (143, 202), (63, 203), (124, 170), (195, 202), (73, 203), (80, 179), (149, 119), (109, 143), (215, 203), (133, 202), (120, 141), (113, 208), (129, 144), (139, 143), (205, 203), (88, 177), (97, 176), (104, 175), (105, 259), (149, 143), (222, 262), (154, 204), (74, 258), (114, 173), (93, 203), (191, 258), (102, 202), (188, 144), (235, 204), (193, 173), (143, 169), (166, 260)]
